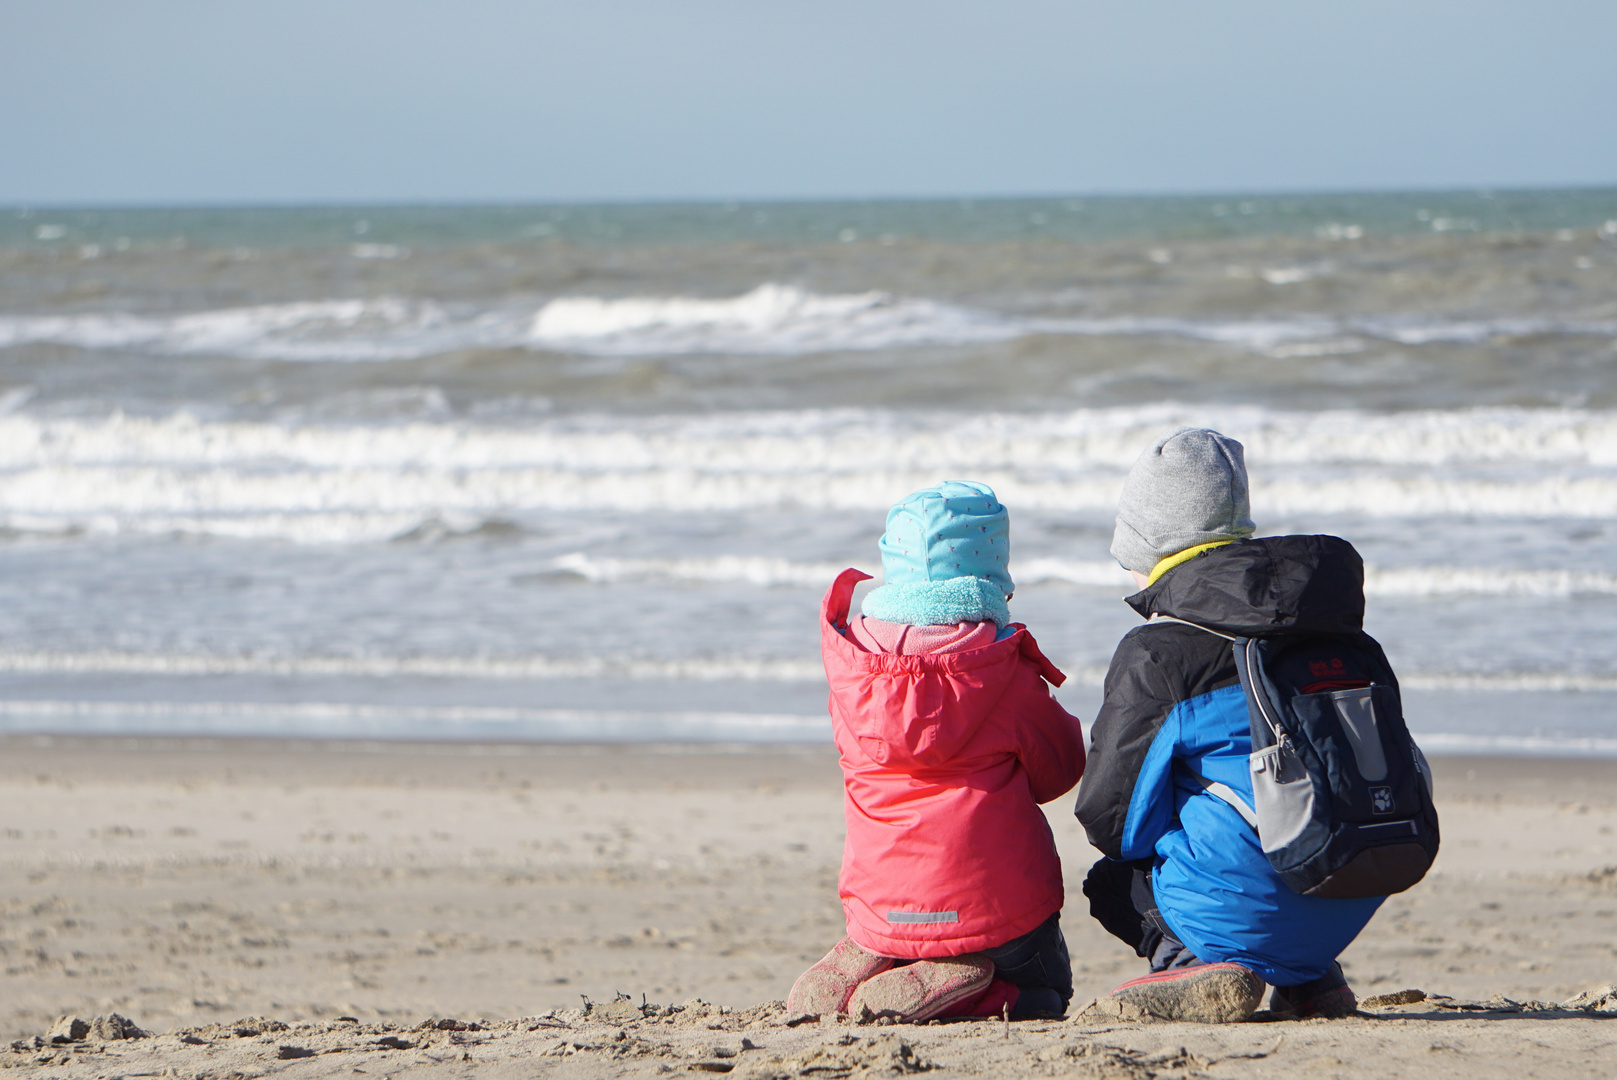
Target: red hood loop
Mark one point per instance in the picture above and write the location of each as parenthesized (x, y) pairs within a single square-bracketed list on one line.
[(834, 608), (1030, 649)]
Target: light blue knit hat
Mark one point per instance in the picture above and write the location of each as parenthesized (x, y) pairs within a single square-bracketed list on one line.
[(946, 558)]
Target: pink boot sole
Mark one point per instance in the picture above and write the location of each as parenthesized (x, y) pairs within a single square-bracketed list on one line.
[(922, 990), (826, 987)]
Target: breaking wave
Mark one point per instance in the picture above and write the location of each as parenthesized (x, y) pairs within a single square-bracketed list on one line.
[(833, 440), (328, 720), (772, 319), (769, 319), (324, 330), (738, 569), (694, 669), (358, 483), (1409, 581), (1532, 745), (700, 669), (360, 506)]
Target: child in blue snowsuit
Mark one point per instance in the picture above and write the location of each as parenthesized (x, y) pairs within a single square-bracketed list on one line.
[(1185, 881)]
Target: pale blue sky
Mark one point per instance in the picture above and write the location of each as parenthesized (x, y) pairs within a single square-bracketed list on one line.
[(183, 101)]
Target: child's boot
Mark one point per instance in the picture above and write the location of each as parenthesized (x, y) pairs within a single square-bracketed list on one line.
[(1329, 996), (922, 990), (1199, 994), (826, 987)]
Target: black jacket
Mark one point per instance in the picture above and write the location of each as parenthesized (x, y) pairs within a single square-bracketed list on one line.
[(1174, 710), (1251, 588)]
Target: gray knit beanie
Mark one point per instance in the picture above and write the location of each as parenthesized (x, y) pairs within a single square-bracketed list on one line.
[(1189, 488)]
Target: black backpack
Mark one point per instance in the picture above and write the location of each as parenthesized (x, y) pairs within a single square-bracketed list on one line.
[(1343, 796)]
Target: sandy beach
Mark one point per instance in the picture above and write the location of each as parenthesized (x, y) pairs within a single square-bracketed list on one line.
[(605, 911)]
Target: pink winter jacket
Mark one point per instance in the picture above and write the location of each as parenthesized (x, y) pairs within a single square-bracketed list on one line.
[(945, 758)]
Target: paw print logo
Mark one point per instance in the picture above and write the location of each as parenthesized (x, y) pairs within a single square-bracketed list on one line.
[(1381, 801)]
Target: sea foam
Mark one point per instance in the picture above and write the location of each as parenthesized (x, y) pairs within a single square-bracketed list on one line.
[(339, 719), (336, 483), (695, 669), (814, 440), (698, 669), (771, 319), (1394, 582), (343, 719), (325, 330)]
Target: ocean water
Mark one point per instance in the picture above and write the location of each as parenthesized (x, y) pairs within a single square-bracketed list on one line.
[(584, 472)]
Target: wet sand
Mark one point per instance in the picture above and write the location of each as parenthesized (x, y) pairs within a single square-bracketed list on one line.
[(187, 884)]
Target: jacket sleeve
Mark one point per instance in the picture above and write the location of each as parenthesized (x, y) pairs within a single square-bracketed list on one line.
[(1123, 776), (1050, 745)]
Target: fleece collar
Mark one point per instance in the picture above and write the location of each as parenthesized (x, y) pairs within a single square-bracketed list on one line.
[(939, 603)]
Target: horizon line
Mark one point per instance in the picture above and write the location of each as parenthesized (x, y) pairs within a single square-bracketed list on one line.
[(27, 207)]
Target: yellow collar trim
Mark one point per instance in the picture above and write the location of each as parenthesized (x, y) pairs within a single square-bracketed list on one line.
[(1184, 556)]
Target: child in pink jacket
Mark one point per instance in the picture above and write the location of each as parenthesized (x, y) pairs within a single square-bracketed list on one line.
[(949, 740)]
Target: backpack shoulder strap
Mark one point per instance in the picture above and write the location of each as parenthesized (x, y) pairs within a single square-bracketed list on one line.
[(1244, 666), (1226, 793), (1213, 787)]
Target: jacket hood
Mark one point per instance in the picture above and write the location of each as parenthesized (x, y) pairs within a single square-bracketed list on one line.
[(916, 711), (1263, 587)]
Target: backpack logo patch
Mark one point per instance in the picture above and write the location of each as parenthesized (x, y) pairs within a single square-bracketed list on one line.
[(1381, 801)]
